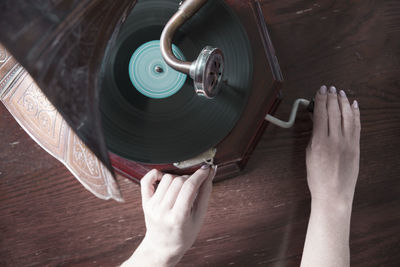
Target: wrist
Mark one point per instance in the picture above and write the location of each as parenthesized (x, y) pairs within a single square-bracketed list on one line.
[(149, 255), (335, 206), (163, 257)]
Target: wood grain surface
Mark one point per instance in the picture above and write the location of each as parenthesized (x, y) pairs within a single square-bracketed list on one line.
[(258, 218)]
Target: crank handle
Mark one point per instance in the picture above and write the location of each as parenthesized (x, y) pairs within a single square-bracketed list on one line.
[(292, 118)]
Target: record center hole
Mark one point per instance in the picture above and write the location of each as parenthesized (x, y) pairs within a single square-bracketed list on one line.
[(158, 69)]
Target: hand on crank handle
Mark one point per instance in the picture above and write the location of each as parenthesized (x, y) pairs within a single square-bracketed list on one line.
[(332, 158)]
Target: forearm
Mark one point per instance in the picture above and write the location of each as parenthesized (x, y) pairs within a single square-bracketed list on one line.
[(327, 240)]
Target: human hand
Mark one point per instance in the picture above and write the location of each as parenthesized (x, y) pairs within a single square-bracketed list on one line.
[(333, 156), (333, 153), (174, 213)]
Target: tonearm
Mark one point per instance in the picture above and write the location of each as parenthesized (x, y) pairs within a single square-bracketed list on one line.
[(207, 70)]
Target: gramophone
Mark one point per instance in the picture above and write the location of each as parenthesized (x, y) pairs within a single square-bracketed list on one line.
[(127, 86)]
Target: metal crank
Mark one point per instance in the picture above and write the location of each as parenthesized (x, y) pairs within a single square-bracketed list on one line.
[(288, 124)]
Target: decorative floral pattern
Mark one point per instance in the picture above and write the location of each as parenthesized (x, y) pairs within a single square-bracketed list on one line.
[(40, 109), (44, 124), (85, 158)]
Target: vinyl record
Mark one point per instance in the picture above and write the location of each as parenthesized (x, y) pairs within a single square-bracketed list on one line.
[(148, 126)]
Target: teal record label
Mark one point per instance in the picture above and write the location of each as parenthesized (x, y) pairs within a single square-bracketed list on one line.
[(149, 73)]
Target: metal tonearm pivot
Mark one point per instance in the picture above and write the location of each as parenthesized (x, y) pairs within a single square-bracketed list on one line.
[(207, 70)]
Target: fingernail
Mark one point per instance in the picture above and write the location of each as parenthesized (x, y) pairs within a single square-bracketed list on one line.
[(323, 90), (205, 167), (342, 93), (355, 104), (332, 90)]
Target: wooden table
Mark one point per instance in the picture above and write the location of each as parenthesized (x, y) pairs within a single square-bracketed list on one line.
[(260, 217)]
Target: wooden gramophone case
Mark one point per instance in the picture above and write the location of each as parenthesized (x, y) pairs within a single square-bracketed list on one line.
[(62, 45)]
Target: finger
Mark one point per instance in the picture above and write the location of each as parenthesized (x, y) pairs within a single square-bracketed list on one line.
[(147, 184), (334, 116), (320, 128), (347, 114), (185, 199), (201, 202), (357, 122), (173, 191), (163, 187)]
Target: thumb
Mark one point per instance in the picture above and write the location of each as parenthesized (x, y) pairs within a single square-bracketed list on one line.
[(201, 204)]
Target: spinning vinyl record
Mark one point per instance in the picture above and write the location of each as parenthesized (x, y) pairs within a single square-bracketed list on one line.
[(150, 112)]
